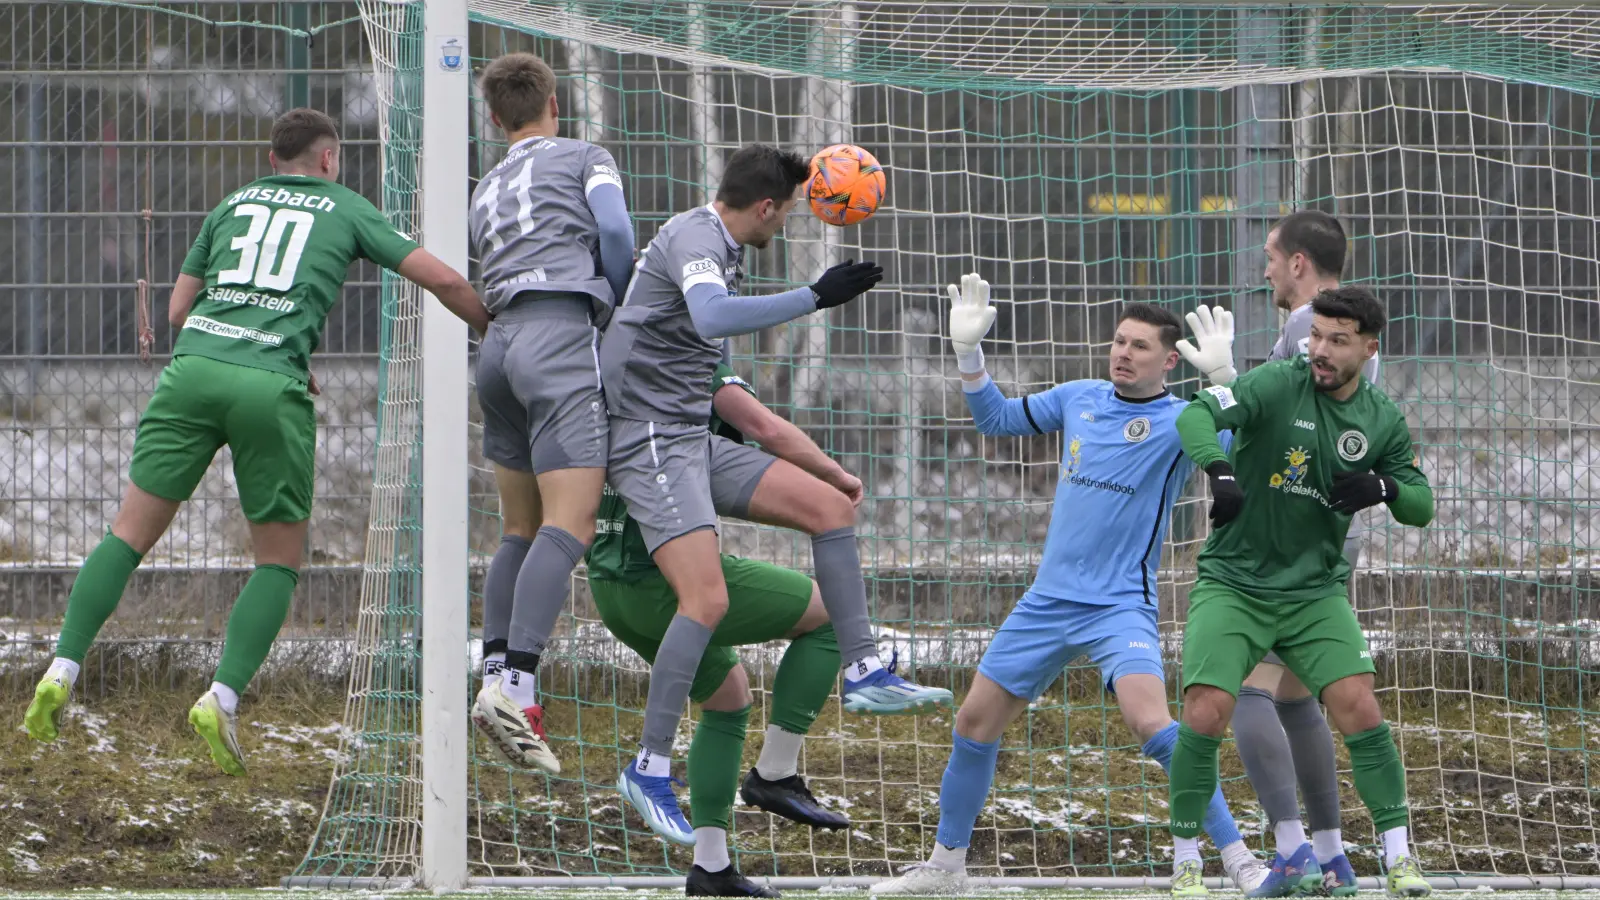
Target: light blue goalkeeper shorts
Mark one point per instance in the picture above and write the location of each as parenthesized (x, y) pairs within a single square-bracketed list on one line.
[(1041, 636)]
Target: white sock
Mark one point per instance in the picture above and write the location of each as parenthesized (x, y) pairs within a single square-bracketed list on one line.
[(517, 685), (226, 696), (780, 754), (654, 765), (65, 668), (950, 859), (861, 668), (493, 664), (1396, 843), (1327, 844), (1291, 833), (1235, 855), (1185, 849), (711, 849)]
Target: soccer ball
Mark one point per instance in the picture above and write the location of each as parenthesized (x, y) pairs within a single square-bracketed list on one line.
[(846, 185)]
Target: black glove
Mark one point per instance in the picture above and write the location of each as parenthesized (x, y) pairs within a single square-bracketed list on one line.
[(1227, 498), (845, 282), (1354, 491)]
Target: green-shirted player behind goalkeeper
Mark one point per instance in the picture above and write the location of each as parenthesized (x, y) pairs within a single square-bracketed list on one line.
[(250, 305), (765, 603), (1313, 443)]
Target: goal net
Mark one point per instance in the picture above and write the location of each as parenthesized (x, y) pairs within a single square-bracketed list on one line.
[(1077, 156)]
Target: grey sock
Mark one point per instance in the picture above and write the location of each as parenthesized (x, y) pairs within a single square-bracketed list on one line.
[(499, 589), (1311, 743), (1264, 748), (671, 677), (542, 585), (837, 561)]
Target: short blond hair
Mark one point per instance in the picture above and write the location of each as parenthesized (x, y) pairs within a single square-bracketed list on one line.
[(518, 87)]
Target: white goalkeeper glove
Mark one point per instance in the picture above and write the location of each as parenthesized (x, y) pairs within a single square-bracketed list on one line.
[(971, 317), (1212, 328)]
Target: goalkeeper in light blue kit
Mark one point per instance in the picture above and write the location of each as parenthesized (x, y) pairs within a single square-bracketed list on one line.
[(1095, 592)]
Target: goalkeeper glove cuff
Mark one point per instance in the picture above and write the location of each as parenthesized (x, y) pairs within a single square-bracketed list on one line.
[(970, 363)]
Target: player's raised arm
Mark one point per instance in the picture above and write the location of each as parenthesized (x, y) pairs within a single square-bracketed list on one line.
[(1212, 328), (971, 316)]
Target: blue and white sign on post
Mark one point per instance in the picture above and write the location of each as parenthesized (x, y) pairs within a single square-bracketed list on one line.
[(452, 53)]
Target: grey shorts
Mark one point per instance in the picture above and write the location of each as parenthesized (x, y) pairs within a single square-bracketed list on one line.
[(539, 386), (1352, 553), (678, 478)]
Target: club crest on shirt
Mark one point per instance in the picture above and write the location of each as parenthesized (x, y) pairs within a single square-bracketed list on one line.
[(1352, 446), (1136, 430)]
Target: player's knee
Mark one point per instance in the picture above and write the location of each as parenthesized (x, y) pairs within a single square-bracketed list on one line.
[(1353, 705), (815, 616), (827, 510), (1146, 723), (583, 533), (1206, 709), (704, 607)]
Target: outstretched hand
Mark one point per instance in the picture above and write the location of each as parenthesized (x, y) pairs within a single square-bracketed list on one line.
[(1212, 328), (971, 316)]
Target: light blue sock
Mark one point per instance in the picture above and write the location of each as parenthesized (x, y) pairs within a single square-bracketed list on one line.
[(1218, 822), (967, 778)]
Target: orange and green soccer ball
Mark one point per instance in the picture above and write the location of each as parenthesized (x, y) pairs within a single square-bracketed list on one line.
[(846, 185)]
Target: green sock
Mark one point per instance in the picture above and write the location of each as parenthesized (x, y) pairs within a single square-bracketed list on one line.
[(95, 595), (716, 757), (1380, 777), (257, 617), (1192, 780), (805, 679)]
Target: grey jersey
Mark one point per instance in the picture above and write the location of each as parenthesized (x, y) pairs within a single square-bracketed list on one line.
[(655, 365), (1296, 337), (532, 227)]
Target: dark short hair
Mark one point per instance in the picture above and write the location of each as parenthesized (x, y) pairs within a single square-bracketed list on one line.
[(1351, 302), (296, 130), (517, 88), (761, 172), (1159, 316), (1316, 234)]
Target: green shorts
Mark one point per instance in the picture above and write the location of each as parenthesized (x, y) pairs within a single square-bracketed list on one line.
[(764, 603), (267, 418), (1228, 632)]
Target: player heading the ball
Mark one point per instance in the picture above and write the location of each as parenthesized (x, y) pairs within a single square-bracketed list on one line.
[(250, 306), (657, 359), (1095, 592), (551, 228), (1313, 444)]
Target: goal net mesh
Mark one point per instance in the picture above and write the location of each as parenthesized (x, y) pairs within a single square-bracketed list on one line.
[(1078, 157)]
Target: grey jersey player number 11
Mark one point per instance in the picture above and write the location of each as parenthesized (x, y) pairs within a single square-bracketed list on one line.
[(545, 180)]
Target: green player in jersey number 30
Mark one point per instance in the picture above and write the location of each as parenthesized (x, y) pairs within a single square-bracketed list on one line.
[(250, 305)]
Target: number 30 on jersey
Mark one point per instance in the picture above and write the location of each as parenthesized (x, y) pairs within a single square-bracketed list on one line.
[(259, 247)]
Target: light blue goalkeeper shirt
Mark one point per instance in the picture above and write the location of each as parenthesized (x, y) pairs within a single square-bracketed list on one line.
[(1122, 468)]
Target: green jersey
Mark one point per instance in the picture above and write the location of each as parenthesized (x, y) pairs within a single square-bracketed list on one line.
[(618, 552), (1289, 441), (274, 257)]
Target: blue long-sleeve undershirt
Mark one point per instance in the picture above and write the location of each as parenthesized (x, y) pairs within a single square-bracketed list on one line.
[(716, 314), (611, 217)]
